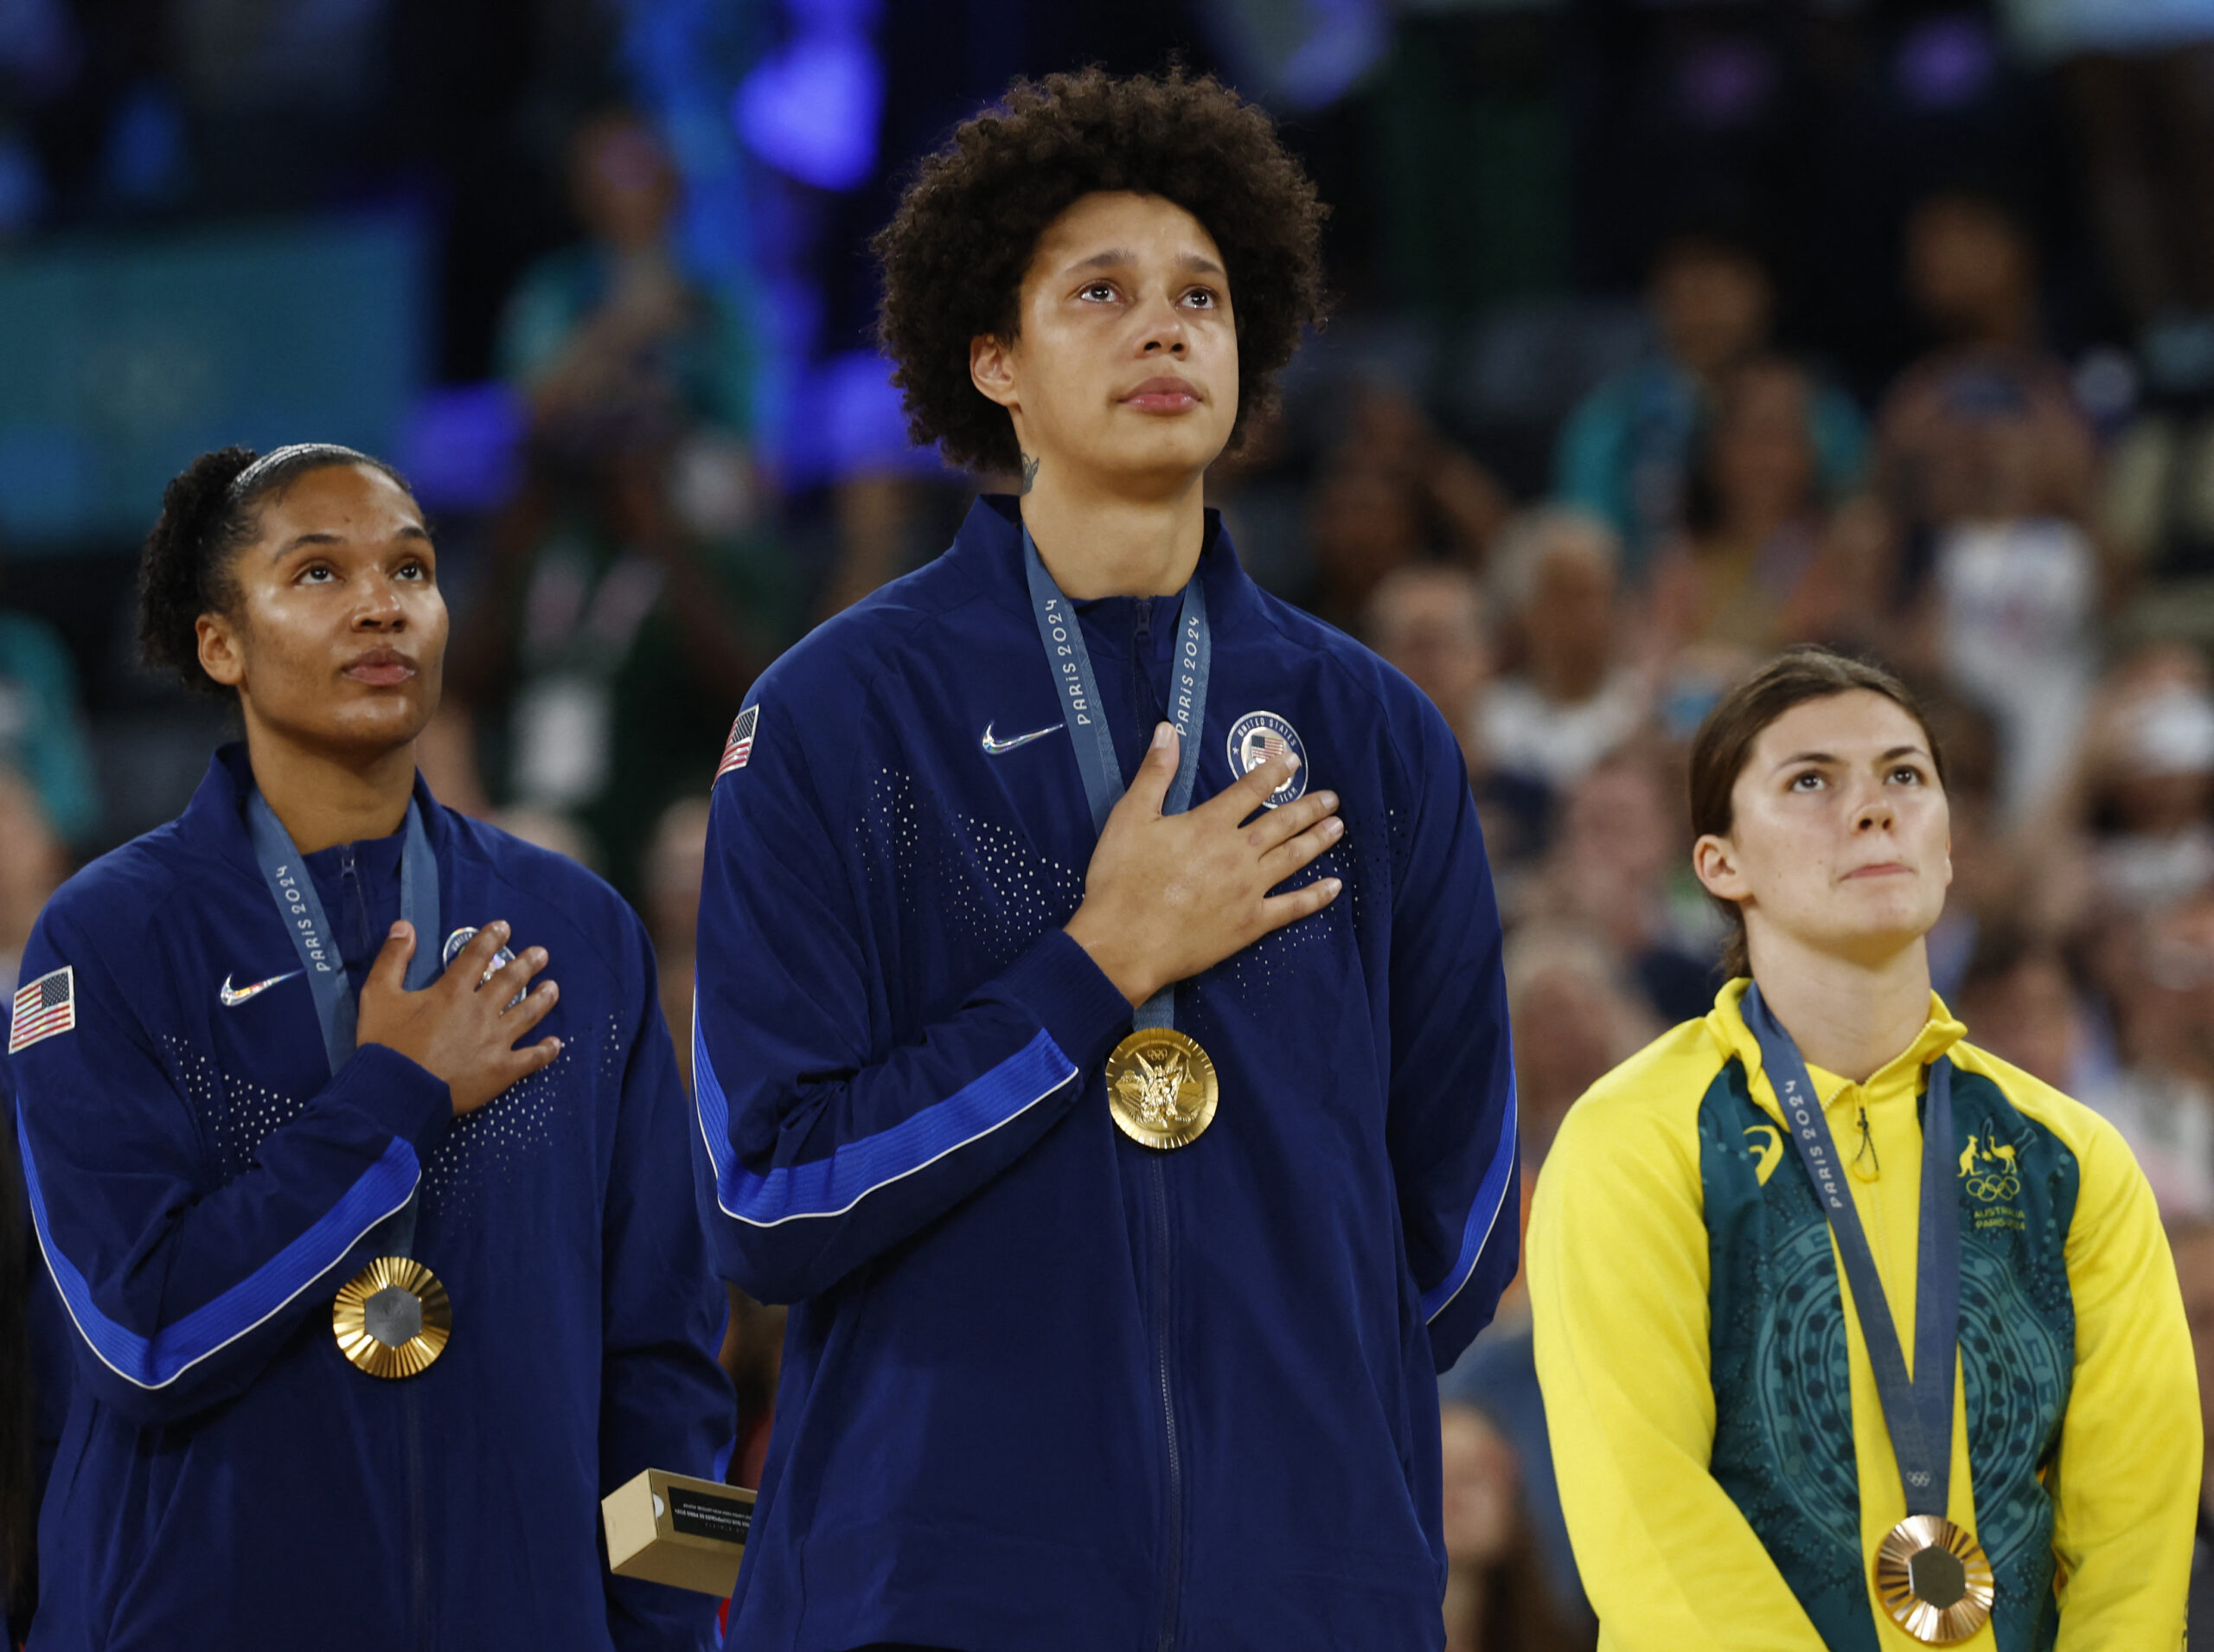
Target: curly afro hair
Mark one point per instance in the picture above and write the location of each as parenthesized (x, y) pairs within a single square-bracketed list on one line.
[(207, 514), (955, 254)]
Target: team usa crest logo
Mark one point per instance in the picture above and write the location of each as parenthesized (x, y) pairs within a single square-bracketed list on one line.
[(462, 938), (500, 959), (1253, 738)]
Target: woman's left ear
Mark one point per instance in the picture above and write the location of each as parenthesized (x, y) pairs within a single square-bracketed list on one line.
[(219, 655), (1714, 863), (991, 369)]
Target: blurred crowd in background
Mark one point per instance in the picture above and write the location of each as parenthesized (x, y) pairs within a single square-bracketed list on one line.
[(1667, 334)]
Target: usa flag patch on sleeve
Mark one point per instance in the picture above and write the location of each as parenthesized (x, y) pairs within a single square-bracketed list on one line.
[(47, 1006), (740, 744)]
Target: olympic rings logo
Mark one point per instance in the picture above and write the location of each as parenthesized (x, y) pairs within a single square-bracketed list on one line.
[(1988, 1166)]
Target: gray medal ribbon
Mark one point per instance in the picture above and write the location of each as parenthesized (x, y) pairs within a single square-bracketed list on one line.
[(1062, 633), (1917, 1408), (285, 871)]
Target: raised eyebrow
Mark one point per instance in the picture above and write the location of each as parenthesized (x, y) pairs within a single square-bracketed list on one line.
[(1192, 263), (299, 541), (1826, 760)]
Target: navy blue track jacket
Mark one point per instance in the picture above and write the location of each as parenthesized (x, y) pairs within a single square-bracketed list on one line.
[(1044, 1386), (201, 1186), (45, 1328)]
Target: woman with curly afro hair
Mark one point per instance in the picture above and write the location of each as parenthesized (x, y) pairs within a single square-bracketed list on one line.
[(1100, 1034)]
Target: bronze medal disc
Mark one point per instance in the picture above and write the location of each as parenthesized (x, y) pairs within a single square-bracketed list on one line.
[(392, 1318), (1160, 1088), (1933, 1579)]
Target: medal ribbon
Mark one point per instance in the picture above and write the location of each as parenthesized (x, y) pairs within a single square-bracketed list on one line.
[(1917, 1408), (293, 887), (1078, 689)]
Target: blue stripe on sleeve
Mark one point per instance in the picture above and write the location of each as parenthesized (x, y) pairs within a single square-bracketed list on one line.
[(833, 1186), (1483, 1216), (173, 1349)]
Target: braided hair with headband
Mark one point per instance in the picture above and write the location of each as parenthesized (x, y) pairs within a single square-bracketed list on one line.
[(209, 512)]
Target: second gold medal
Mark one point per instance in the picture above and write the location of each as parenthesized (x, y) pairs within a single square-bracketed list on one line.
[(1161, 1087)]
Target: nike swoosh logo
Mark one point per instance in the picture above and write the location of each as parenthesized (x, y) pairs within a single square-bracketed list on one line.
[(233, 997), (995, 748)]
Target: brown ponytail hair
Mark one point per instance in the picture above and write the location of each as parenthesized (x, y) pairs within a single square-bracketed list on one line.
[(1724, 744)]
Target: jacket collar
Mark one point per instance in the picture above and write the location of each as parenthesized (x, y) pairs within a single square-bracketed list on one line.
[(215, 818), (1726, 1024), (989, 547)]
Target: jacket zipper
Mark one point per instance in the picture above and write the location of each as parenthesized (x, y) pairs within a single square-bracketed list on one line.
[(350, 882), (1163, 1270), (1174, 1527), (1867, 1150), (1878, 1236), (356, 898), (419, 1549)]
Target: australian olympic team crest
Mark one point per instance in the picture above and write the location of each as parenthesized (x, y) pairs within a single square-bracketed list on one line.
[(1258, 733), (1990, 1174)]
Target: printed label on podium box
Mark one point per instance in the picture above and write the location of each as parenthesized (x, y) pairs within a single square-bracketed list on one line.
[(672, 1528)]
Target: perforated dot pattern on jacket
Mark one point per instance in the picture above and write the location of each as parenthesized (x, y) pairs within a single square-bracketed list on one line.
[(1364, 859), (985, 878), (498, 1141), (976, 876), (238, 1113)]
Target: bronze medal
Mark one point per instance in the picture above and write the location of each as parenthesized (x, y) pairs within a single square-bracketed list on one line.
[(1161, 1087), (392, 1318), (1933, 1579)]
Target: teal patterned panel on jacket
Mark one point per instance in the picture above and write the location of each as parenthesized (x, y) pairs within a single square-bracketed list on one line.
[(1783, 1382), (2017, 1185), (1784, 1446)]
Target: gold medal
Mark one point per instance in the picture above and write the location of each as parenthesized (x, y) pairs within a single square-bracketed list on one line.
[(392, 1318), (1160, 1088), (1933, 1579)]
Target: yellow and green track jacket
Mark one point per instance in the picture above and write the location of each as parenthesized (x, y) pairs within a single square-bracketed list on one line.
[(1715, 1421)]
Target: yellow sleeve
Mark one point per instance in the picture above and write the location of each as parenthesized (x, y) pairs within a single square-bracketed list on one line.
[(2130, 1449), (1618, 1290)]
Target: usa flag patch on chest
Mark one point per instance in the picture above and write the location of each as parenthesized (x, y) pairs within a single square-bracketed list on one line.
[(47, 1006), (740, 746)]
